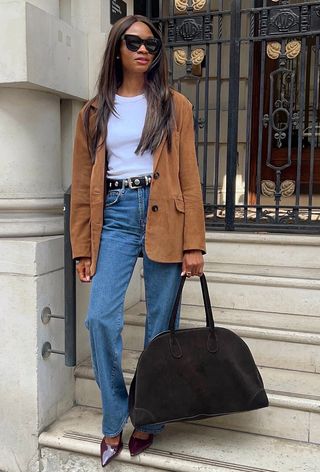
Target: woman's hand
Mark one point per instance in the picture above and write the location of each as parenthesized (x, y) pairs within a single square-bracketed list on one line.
[(192, 263), (83, 269)]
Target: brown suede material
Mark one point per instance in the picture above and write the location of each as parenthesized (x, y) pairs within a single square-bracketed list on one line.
[(194, 373), (179, 223), (199, 383)]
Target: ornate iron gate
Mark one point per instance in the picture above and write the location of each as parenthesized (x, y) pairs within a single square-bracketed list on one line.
[(251, 70)]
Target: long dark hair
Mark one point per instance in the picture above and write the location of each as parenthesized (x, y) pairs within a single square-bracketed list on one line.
[(159, 115)]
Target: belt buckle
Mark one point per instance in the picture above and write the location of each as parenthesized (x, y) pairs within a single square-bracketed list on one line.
[(132, 185)]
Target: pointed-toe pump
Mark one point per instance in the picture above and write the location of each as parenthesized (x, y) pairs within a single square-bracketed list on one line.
[(108, 452), (137, 445)]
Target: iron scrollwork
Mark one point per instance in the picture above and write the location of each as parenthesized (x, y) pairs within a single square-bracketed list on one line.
[(190, 29), (280, 125), (281, 118), (273, 217), (315, 17), (278, 118), (287, 30), (294, 19), (284, 20)]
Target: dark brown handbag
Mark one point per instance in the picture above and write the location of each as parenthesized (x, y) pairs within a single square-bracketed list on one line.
[(195, 373)]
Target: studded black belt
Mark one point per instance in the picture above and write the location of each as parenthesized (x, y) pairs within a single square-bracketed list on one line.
[(131, 182)]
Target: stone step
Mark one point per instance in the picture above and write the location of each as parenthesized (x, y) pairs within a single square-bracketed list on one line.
[(305, 273), (290, 383), (72, 443), (290, 415), (248, 318), (245, 291), (275, 348), (277, 250)]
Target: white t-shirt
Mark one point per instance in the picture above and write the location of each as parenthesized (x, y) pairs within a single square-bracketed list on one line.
[(123, 136)]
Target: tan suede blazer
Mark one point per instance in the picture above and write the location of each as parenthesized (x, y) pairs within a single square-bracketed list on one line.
[(176, 226)]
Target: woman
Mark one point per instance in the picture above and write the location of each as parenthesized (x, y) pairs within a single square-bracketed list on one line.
[(135, 191)]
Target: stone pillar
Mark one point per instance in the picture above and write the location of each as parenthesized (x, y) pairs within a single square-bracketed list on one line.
[(31, 200), (31, 211)]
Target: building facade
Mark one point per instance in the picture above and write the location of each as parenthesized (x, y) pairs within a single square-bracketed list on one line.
[(251, 70)]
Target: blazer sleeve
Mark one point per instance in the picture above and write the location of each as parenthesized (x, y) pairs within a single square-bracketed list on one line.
[(194, 226), (80, 231)]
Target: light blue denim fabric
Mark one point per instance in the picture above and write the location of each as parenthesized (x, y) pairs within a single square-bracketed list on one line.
[(122, 240)]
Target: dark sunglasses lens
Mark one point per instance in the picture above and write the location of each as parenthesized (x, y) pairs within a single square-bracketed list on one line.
[(133, 43), (152, 45)]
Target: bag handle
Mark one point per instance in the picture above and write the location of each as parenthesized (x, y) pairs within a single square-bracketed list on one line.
[(206, 301)]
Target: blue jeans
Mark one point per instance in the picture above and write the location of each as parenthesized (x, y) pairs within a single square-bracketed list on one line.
[(122, 239)]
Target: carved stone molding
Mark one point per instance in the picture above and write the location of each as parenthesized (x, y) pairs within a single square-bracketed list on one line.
[(197, 56), (273, 50), (292, 49), (183, 5), (287, 188)]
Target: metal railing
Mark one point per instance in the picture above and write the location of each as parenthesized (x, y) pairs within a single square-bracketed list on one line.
[(69, 317), (69, 288), (251, 70)]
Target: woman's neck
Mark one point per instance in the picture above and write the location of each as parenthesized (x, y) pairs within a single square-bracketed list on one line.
[(131, 86)]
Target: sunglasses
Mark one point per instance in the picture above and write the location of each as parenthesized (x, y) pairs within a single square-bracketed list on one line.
[(134, 43)]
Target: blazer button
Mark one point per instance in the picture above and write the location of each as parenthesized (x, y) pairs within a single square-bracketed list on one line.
[(156, 175), (155, 208)]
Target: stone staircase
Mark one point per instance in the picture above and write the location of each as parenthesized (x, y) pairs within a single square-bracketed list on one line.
[(266, 288)]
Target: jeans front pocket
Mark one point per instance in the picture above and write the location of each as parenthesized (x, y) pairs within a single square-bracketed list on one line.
[(112, 197)]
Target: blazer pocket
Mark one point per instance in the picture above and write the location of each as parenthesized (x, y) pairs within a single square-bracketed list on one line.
[(179, 204)]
